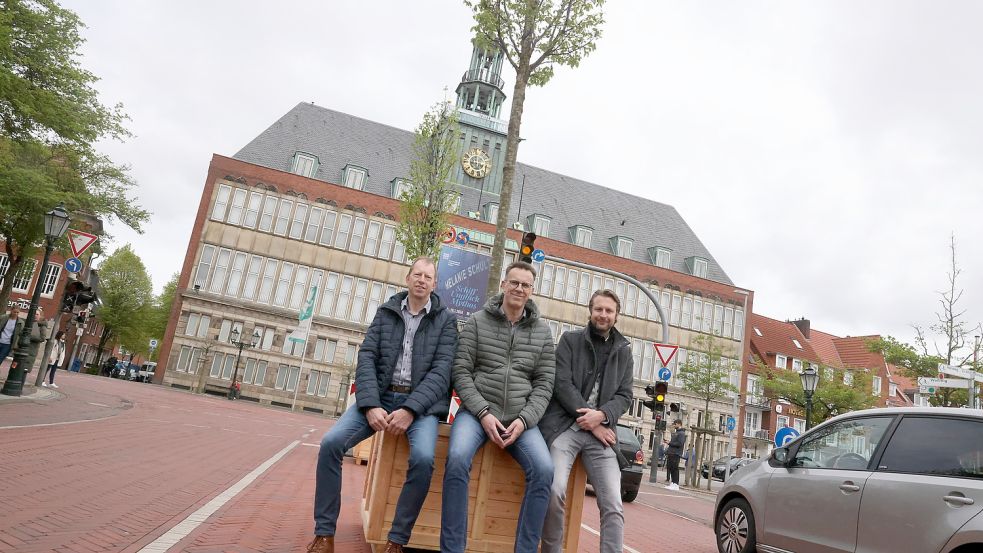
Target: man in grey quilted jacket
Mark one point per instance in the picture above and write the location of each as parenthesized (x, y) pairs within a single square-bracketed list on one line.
[(503, 373)]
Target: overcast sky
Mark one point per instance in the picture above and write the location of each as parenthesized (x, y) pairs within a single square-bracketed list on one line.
[(823, 151)]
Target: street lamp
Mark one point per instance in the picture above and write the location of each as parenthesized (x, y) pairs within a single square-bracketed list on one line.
[(810, 378), (55, 224), (239, 343)]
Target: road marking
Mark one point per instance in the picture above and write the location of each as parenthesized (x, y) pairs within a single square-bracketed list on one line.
[(97, 404), (596, 533), (681, 496), (195, 425), (311, 445), (195, 519), (54, 423), (236, 431)]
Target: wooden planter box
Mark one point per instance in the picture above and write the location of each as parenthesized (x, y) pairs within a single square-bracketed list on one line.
[(362, 451), (495, 495)]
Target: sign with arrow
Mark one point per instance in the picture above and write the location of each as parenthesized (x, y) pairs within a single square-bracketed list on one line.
[(80, 241), (959, 372), (943, 382), (666, 352)]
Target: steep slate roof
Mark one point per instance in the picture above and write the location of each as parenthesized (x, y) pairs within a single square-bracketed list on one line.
[(339, 139), (776, 336)]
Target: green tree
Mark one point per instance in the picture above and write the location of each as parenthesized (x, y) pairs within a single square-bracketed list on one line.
[(838, 390), (534, 36), (947, 341), (127, 302), (161, 310), (430, 195), (706, 373), (51, 116)]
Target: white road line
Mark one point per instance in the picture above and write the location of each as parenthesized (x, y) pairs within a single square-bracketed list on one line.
[(195, 425), (681, 496), (195, 519), (236, 431), (97, 404), (54, 423), (311, 445), (596, 533)]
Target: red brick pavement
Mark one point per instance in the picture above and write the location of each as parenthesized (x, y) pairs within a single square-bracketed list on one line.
[(119, 483)]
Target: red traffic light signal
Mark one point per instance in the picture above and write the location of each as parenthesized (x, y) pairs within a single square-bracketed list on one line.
[(527, 247)]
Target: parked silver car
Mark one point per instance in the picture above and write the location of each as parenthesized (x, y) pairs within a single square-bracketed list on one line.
[(874, 481)]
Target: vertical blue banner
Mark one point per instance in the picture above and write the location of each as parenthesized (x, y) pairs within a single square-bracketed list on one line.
[(462, 280)]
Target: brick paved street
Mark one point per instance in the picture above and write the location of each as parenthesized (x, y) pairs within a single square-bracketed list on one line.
[(117, 466)]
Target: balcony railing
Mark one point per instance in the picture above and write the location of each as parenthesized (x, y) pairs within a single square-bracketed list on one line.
[(484, 76), (759, 434), (760, 402), (482, 120)]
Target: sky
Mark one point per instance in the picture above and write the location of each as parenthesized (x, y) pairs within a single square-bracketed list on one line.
[(824, 152)]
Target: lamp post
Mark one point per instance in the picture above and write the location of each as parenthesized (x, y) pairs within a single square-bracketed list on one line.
[(55, 224), (810, 378), (236, 341), (973, 397)]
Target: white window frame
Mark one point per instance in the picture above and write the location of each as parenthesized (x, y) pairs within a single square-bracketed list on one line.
[(250, 285), (621, 246), (386, 241), (355, 177), (343, 232), (267, 283), (221, 202), (327, 229), (781, 361), (700, 267), (252, 210), (282, 291), (661, 257), (304, 164), (236, 207), (299, 221), (357, 239), (268, 215), (219, 276), (490, 212), (875, 386), (283, 217), (581, 235), (50, 280), (237, 269), (539, 224)]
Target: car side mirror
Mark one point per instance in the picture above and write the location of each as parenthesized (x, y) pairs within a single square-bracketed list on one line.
[(780, 456)]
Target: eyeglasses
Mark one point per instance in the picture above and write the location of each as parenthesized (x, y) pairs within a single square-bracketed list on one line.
[(513, 284)]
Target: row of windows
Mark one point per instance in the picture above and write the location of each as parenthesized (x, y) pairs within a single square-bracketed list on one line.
[(569, 284), (254, 371), (24, 277), (283, 284), (317, 224)]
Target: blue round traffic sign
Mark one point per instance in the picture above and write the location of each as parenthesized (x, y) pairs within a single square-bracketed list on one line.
[(463, 238), (538, 255), (665, 373), (731, 424), (73, 265), (785, 436)]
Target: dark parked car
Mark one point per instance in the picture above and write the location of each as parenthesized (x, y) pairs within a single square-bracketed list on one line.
[(720, 466), (631, 476)]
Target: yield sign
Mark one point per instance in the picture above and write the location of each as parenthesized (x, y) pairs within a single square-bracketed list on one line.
[(80, 241), (666, 352)]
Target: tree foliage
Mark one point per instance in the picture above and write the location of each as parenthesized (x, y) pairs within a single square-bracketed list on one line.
[(162, 304), (706, 372), (127, 301), (429, 197), (833, 395), (534, 36), (51, 116), (947, 341)]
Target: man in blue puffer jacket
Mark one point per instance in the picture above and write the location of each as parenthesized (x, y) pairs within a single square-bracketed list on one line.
[(402, 385)]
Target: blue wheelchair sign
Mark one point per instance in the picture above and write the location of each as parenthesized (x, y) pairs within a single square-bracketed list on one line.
[(785, 436), (73, 265), (665, 373)]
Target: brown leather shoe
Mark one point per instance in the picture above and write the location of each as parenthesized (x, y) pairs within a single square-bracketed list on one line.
[(392, 547), (321, 544)]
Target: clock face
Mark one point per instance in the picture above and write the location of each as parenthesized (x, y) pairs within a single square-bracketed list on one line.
[(476, 163)]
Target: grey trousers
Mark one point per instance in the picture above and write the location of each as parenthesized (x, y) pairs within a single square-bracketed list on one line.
[(605, 476)]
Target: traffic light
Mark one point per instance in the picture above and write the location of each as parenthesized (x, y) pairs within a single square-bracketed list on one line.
[(81, 317), (72, 290), (79, 293), (527, 247), (661, 388), (674, 408), (650, 403)]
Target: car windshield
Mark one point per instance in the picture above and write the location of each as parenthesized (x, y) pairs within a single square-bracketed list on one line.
[(626, 436)]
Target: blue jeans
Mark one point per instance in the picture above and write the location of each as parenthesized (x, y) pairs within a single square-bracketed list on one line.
[(351, 429), (530, 451), (5, 351)]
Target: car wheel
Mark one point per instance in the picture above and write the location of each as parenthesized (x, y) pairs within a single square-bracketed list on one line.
[(735, 528), (627, 496)]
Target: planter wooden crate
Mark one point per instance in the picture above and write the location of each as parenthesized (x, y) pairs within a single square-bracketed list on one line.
[(495, 495), (362, 451)]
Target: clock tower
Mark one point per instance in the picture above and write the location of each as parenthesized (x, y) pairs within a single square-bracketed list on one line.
[(483, 133)]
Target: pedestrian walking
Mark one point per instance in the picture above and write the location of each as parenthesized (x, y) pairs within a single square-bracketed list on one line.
[(593, 389), (402, 385), (55, 359), (503, 373)]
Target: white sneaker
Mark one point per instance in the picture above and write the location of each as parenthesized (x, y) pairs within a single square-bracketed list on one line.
[(45, 384), (673, 487), (53, 385)]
